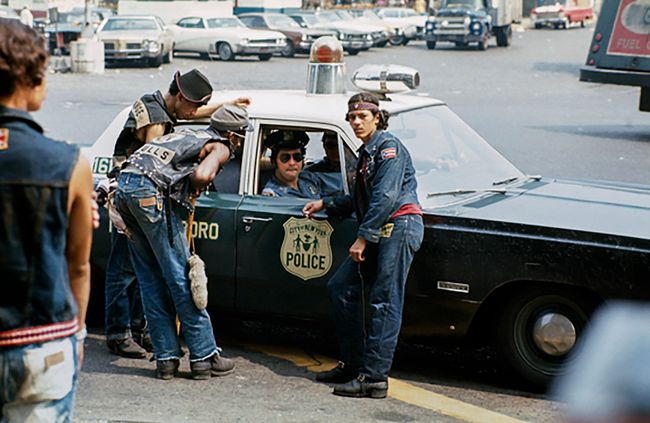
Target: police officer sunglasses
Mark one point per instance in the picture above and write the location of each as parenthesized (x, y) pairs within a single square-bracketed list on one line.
[(285, 157)]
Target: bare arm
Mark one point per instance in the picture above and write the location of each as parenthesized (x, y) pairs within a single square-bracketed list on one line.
[(151, 132), (79, 235), (214, 155), (208, 109)]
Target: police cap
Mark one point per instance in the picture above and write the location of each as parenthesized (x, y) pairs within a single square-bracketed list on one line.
[(286, 139)]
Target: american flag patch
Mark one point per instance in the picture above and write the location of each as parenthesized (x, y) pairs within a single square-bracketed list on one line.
[(388, 153), (4, 139)]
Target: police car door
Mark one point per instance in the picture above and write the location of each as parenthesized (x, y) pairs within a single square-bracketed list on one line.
[(283, 259)]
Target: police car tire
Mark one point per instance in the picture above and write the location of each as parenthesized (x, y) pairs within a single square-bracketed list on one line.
[(483, 44), (517, 353), (265, 57), (154, 62), (353, 52)]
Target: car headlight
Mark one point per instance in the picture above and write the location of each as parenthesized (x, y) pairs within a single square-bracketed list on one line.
[(280, 41), (369, 37), (431, 25), (304, 37), (467, 20), (150, 45), (476, 26), (341, 36), (244, 41)]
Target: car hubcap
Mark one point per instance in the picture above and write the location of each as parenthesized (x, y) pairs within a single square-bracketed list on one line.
[(554, 334)]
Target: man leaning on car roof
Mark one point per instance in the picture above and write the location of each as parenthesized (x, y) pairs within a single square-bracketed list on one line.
[(152, 115)]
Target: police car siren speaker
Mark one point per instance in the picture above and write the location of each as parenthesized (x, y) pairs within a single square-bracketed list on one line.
[(384, 79), (326, 70)]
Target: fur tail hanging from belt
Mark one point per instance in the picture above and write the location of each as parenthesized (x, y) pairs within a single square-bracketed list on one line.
[(198, 278)]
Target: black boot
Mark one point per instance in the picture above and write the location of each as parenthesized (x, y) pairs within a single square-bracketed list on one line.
[(339, 374), (361, 387)]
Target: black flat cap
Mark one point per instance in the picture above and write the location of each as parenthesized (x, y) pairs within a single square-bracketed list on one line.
[(194, 86), (230, 118), (282, 139)]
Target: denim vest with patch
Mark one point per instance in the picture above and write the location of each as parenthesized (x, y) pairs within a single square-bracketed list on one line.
[(35, 173)]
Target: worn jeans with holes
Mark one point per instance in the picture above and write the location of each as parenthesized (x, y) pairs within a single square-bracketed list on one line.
[(38, 382), (161, 269), (123, 312), (383, 274)]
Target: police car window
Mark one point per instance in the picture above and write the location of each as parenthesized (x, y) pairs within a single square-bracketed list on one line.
[(227, 180), (324, 164)]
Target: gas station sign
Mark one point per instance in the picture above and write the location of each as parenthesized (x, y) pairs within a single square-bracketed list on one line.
[(631, 31)]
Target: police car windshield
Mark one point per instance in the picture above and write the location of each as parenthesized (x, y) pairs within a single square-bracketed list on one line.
[(448, 154)]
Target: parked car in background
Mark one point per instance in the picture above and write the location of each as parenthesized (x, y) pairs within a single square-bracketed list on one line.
[(343, 19), (226, 37), (8, 12), (399, 33), (353, 40), (403, 15), (68, 26), (136, 38), (562, 13), (299, 39)]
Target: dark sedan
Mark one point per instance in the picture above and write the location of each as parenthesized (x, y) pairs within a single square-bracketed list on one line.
[(299, 39)]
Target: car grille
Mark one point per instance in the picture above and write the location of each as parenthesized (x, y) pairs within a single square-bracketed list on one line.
[(266, 41), (454, 25), (354, 37), (547, 15), (121, 45), (315, 37)]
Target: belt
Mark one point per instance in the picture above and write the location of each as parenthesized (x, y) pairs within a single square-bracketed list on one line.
[(38, 334)]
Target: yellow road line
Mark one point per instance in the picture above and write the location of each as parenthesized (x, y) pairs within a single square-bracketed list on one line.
[(398, 389)]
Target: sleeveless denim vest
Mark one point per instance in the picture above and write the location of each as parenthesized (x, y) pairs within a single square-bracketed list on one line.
[(35, 173)]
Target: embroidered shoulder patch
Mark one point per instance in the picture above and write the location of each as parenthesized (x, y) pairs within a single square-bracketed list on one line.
[(4, 139), (388, 153)]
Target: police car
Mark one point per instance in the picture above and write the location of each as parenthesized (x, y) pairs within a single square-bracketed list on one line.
[(515, 259)]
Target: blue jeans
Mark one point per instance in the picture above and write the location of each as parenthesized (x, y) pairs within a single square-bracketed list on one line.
[(121, 315), (38, 381), (384, 272), (161, 269)]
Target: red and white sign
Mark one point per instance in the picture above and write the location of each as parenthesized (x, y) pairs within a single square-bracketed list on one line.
[(631, 32)]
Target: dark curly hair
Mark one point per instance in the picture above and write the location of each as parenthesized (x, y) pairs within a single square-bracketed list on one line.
[(371, 98), (23, 56)]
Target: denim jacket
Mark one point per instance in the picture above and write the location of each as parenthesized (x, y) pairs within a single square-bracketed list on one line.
[(385, 181), (35, 174)]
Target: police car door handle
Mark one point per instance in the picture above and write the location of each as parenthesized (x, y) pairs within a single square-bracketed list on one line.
[(248, 221)]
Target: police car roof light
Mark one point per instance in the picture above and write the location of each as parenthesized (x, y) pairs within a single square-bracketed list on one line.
[(385, 79), (326, 50), (326, 69)]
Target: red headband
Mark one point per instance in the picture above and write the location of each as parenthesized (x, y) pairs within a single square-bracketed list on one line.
[(362, 106)]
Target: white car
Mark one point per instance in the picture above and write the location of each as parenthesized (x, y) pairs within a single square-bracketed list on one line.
[(399, 33), (143, 38), (343, 20), (8, 13), (226, 37), (405, 16)]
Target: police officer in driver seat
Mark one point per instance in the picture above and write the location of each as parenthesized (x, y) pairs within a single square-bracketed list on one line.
[(288, 157)]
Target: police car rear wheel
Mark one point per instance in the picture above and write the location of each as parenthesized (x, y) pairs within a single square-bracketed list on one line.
[(537, 330)]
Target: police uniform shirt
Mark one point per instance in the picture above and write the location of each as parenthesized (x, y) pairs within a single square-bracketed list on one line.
[(309, 186)]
